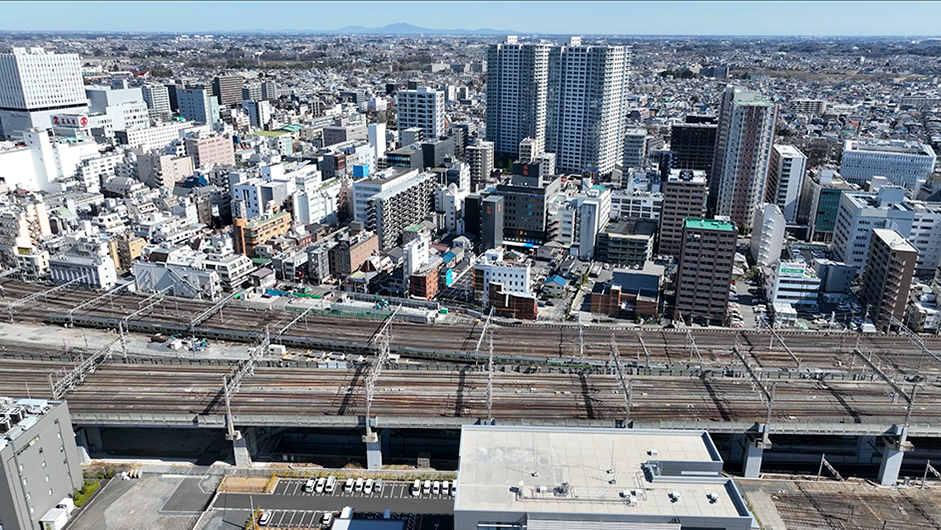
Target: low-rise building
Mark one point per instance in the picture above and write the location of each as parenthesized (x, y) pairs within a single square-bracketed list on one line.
[(544, 478), (627, 242), (795, 283), (629, 293)]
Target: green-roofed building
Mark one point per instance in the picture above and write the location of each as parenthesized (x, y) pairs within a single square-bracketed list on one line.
[(707, 254)]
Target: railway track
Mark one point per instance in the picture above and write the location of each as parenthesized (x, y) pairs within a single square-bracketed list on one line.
[(118, 387), (815, 351)]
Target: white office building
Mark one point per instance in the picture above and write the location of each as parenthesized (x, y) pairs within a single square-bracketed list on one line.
[(903, 163), (635, 149), (768, 234), (317, 205), (449, 202), (785, 178), (156, 137), (35, 85), (793, 282), (422, 107), (376, 135), (259, 112), (491, 268), (640, 204), (925, 235), (860, 212), (157, 98)]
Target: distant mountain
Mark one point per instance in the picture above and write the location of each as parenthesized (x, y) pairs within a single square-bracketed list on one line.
[(402, 28)]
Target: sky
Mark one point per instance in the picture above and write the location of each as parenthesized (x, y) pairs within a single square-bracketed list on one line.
[(842, 18)]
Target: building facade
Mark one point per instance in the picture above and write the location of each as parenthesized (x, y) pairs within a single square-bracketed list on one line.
[(903, 163), (684, 196), (785, 178), (584, 103), (37, 85), (197, 104), (743, 151), (39, 462), (517, 79), (694, 145), (422, 107), (888, 277), (707, 254), (767, 234)]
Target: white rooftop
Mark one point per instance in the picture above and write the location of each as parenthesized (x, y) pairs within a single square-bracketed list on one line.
[(496, 460)]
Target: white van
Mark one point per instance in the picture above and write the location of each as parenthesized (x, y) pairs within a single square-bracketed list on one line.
[(347, 512), (309, 485), (359, 484), (416, 488), (426, 488), (378, 486), (321, 482), (436, 488), (367, 488), (327, 520), (348, 487), (330, 485), (445, 487)]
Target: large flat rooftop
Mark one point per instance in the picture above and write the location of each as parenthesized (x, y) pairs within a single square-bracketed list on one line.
[(597, 466)]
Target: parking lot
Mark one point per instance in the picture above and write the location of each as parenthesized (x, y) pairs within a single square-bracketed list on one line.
[(295, 519), (293, 507), (390, 490)]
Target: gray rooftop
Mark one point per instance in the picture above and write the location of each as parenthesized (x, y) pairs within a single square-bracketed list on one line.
[(497, 460)]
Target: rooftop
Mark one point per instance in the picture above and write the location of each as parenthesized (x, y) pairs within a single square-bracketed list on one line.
[(710, 224), (894, 240), (588, 470)]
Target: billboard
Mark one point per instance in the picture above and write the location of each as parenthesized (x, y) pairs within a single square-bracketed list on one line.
[(69, 120)]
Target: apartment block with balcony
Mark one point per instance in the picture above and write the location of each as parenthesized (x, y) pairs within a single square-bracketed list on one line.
[(888, 276), (705, 270)]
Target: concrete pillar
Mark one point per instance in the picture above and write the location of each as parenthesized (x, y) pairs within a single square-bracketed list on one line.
[(890, 466), (751, 468), (373, 447), (755, 445), (374, 454), (243, 456), (865, 449), (93, 435), (895, 447)]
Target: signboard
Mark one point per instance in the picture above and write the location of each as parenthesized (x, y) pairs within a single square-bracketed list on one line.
[(792, 271), (69, 120)]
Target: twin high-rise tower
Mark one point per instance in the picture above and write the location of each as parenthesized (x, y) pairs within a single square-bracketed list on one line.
[(569, 99)]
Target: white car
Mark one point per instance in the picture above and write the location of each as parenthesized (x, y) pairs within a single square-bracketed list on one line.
[(264, 519)]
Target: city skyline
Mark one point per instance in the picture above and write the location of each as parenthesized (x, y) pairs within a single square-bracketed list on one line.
[(602, 18)]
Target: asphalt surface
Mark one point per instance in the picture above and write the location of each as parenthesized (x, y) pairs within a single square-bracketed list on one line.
[(189, 497), (289, 495), (93, 513)]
